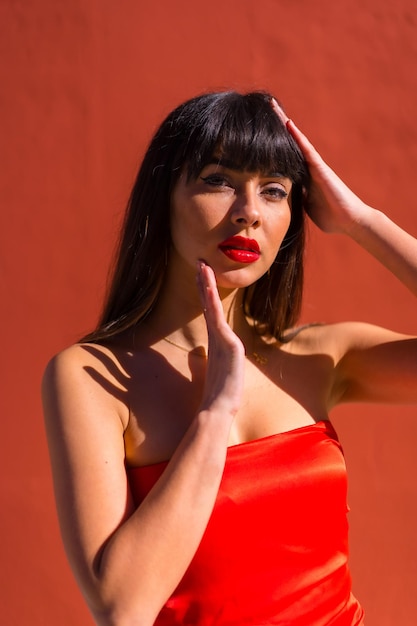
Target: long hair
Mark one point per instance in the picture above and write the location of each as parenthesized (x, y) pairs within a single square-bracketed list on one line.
[(245, 129)]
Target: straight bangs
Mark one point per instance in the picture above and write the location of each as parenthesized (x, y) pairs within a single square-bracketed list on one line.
[(245, 131)]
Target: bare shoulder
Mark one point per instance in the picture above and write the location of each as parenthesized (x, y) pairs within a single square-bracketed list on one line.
[(87, 372), (337, 339), (315, 338), (370, 363), (79, 356)]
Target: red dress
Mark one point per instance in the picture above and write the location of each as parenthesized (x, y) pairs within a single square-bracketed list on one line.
[(276, 545)]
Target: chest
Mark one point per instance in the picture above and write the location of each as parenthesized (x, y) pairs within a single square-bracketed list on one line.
[(281, 393)]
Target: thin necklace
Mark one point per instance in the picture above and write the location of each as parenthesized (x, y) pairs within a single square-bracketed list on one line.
[(258, 358), (196, 351)]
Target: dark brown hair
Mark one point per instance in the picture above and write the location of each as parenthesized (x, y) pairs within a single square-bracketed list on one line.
[(245, 129)]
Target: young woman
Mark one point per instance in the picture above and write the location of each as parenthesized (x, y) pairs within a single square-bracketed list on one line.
[(197, 476)]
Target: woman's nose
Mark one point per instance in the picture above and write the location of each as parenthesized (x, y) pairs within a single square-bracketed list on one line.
[(245, 210)]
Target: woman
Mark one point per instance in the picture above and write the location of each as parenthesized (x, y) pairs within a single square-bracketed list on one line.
[(197, 477)]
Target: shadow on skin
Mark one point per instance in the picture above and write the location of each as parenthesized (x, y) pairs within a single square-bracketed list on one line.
[(162, 401)]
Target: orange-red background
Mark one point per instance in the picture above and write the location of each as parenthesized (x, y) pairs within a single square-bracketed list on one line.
[(83, 85)]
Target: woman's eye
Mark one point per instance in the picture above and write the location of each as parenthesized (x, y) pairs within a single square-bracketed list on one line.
[(276, 193), (215, 181)]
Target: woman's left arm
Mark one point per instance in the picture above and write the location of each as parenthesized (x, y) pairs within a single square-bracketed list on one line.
[(334, 208), (375, 364)]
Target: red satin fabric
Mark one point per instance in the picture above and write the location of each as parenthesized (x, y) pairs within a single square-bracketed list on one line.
[(275, 548)]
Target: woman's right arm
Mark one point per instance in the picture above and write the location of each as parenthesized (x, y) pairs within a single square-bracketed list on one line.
[(128, 562)]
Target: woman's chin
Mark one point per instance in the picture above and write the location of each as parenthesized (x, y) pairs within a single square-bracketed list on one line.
[(237, 279)]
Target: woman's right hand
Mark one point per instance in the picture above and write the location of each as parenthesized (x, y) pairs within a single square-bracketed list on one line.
[(226, 354)]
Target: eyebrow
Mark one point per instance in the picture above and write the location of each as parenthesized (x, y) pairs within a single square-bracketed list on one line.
[(231, 165)]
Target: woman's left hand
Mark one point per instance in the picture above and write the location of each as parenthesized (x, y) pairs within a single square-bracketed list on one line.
[(332, 206)]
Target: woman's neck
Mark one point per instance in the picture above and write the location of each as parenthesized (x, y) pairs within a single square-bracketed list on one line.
[(178, 317)]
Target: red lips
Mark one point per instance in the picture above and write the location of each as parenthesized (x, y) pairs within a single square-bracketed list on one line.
[(241, 249)]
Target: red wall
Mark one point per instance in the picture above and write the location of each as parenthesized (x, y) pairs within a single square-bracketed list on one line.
[(83, 85)]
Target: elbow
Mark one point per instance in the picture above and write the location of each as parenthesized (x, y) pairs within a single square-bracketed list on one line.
[(119, 609), (122, 608), (113, 602)]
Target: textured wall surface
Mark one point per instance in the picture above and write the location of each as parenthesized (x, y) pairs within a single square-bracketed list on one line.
[(83, 85)]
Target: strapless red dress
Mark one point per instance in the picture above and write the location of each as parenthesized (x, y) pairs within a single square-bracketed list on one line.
[(276, 546)]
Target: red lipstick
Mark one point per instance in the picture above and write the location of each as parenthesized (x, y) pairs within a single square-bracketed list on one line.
[(241, 249)]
